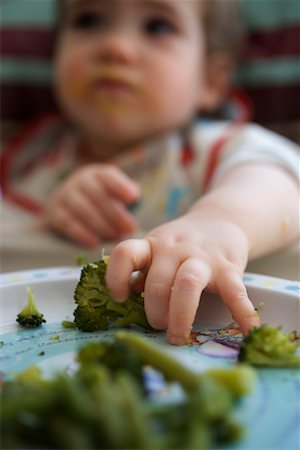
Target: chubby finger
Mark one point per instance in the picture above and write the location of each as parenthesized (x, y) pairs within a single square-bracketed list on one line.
[(126, 257), (118, 184), (110, 220), (234, 294), (112, 208), (68, 225), (191, 279), (118, 216), (158, 286), (83, 209)]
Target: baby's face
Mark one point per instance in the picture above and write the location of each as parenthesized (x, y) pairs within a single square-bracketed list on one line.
[(130, 69)]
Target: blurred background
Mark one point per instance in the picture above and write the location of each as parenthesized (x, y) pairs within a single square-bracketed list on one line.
[(268, 72)]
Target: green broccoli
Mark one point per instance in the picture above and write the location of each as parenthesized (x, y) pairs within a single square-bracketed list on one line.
[(68, 324), (270, 347), (116, 355), (101, 405), (239, 380), (30, 316), (81, 259), (97, 309)]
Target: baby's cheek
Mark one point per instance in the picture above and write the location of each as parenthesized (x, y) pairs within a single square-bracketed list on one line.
[(176, 102), (74, 84), (70, 69), (76, 67)]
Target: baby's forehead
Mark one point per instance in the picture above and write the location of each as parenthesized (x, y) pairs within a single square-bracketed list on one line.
[(150, 3)]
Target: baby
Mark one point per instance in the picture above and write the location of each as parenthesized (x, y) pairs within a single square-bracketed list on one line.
[(131, 77)]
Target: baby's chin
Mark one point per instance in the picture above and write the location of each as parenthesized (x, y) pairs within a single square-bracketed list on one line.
[(121, 125)]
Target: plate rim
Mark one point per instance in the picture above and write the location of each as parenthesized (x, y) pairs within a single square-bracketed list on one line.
[(59, 273)]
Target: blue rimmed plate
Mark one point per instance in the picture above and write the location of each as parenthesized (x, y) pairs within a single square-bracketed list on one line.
[(271, 414)]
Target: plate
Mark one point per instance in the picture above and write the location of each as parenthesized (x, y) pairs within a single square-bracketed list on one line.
[(271, 414)]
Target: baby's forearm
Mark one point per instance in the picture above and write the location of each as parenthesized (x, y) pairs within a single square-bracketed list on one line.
[(262, 200)]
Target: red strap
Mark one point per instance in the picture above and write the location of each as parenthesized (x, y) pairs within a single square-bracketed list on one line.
[(11, 152), (187, 155)]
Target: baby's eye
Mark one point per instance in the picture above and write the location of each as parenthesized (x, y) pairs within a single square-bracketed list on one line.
[(159, 26), (88, 21)]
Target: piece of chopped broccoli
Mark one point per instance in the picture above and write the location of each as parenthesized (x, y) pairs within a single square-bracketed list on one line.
[(30, 316), (114, 355), (68, 324), (100, 405), (81, 259), (96, 309), (270, 347), (239, 380)]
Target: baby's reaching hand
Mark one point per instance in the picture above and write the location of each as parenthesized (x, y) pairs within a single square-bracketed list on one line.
[(179, 260), (90, 205)]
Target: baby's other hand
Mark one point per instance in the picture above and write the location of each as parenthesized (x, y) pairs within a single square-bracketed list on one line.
[(91, 205)]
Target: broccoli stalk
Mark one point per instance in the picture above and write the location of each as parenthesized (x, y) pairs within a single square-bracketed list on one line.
[(239, 380), (96, 309), (270, 347), (30, 316)]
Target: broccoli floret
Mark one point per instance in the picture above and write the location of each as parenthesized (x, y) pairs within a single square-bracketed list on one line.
[(270, 347), (115, 355), (30, 316), (97, 309)]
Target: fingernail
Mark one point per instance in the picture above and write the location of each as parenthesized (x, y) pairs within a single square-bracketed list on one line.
[(254, 322), (176, 339)]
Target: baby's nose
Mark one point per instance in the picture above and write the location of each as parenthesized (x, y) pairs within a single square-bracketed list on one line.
[(118, 47)]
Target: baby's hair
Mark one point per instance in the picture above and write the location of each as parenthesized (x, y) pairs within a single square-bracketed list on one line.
[(223, 26)]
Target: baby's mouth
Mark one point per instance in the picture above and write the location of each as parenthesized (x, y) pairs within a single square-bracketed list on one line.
[(113, 86)]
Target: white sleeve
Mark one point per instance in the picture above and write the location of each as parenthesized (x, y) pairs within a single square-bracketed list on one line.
[(254, 143)]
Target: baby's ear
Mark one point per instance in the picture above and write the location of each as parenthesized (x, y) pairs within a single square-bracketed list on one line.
[(218, 80)]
